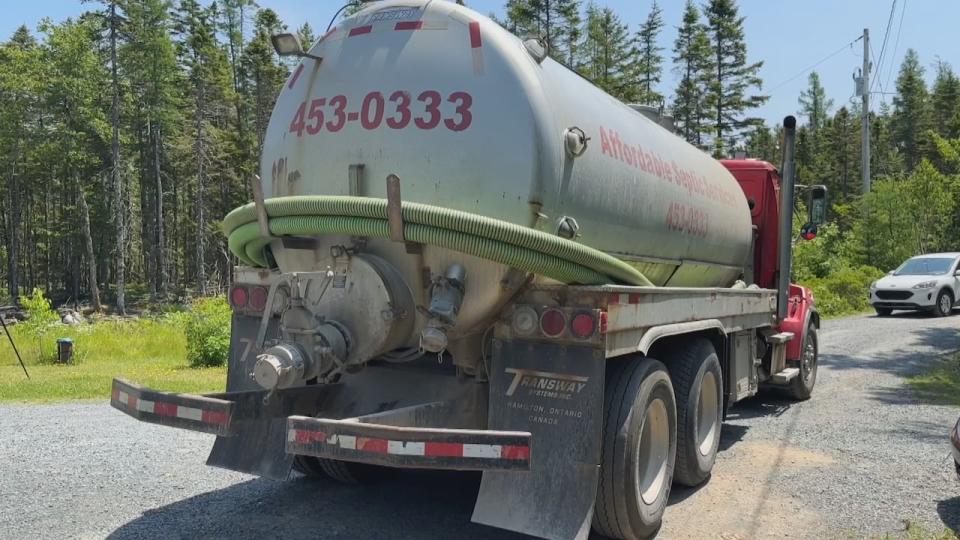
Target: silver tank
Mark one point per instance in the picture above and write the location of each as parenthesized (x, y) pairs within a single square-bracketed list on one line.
[(470, 118)]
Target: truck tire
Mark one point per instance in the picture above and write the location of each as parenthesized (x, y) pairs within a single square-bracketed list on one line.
[(944, 304), (638, 449), (308, 466), (344, 472), (698, 385), (802, 385)]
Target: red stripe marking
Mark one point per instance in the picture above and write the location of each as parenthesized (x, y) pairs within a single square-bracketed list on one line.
[(613, 298), (296, 75), (164, 409), (115, 395), (132, 401), (475, 35), (408, 25), (359, 30), (372, 445), (304, 436), (214, 417), (634, 298), (442, 449), (520, 453)]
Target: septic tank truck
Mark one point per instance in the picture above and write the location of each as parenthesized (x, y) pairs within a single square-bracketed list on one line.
[(463, 255)]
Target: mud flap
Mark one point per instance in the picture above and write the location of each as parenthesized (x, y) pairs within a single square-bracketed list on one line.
[(554, 392)]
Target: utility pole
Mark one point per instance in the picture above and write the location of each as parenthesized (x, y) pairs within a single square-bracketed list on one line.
[(865, 130)]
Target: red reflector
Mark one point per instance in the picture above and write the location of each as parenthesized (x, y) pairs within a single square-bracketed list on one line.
[(552, 322), (603, 322), (238, 296), (583, 325), (258, 298)]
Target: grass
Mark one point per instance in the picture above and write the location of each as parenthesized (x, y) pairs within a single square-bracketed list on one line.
[(149, 351), (940, 383), (917, 532)]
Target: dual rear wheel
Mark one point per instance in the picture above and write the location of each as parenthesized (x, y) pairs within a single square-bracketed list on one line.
[(660, 426)]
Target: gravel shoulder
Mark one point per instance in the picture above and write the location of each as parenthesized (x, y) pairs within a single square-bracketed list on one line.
[(854, 461)]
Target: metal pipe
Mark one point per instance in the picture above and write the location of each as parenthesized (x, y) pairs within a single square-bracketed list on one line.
[(787, 181)]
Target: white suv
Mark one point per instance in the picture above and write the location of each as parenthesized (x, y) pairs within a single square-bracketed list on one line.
[(926, 282)]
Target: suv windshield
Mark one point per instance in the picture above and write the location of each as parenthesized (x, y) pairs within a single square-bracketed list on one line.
[(924, 266)]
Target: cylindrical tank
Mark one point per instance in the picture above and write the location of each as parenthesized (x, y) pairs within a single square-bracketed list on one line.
[(468, 118)]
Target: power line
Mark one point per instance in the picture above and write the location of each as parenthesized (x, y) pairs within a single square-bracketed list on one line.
[(896, 45), (883, 48), (824, 59)]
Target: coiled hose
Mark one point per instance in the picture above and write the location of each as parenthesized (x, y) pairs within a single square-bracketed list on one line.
[(506, 243)]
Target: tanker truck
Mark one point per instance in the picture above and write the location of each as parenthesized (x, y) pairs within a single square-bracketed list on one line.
[(462, 255)]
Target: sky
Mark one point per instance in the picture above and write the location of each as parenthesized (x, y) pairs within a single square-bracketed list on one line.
[(788, 35)]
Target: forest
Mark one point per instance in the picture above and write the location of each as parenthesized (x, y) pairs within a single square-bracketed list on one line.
[(127, 133)]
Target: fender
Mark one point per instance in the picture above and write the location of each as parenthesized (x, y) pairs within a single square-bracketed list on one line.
[(655, 333)]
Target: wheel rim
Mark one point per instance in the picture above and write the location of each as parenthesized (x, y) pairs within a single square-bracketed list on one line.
[(707, 414), (809, 359), (654, 448), (944, 303)]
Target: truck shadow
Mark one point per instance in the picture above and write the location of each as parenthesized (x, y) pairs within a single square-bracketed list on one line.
[(949, 512), (413, 504)]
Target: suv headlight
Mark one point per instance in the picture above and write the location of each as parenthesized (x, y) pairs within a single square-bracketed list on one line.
[(873, 285), (925, 285)]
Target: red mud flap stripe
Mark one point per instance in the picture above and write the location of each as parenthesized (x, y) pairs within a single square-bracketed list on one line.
[(409, 447), (187, 411)]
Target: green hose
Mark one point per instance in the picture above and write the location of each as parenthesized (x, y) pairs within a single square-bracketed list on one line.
[(506, 243)]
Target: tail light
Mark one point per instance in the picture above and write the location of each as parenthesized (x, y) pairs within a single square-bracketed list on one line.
[(583, 325), (552, 322), (239, 296), (258, 298)]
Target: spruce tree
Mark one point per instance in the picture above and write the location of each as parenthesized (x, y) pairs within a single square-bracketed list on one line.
[(552, 20), (606, 53), (727, 96), (814, 103), (911, 111), (691, 63), (945, 102), (649, 60)]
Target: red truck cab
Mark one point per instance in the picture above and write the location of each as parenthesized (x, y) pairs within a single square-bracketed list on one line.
[(760, 182)]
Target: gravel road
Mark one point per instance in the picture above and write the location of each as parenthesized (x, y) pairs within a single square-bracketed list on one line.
[(855, 461)]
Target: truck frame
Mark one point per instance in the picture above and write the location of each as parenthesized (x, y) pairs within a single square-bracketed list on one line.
[(586, 404)]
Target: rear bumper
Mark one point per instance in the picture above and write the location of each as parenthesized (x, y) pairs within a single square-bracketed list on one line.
[(185, 411), (393, 446), (358, 439)]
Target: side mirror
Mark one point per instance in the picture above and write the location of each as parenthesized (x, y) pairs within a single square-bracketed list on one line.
[(957, 273), (817, 205), (892, 272)]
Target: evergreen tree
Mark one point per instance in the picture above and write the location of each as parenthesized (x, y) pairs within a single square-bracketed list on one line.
[(606, 53), (945, 102), (814, 103), (266, 76), (208, 75), (911, 111), (306, 35), (727, 95), (150, 60), (762, 143), (650, 61), (552, 20), (691, 62)]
